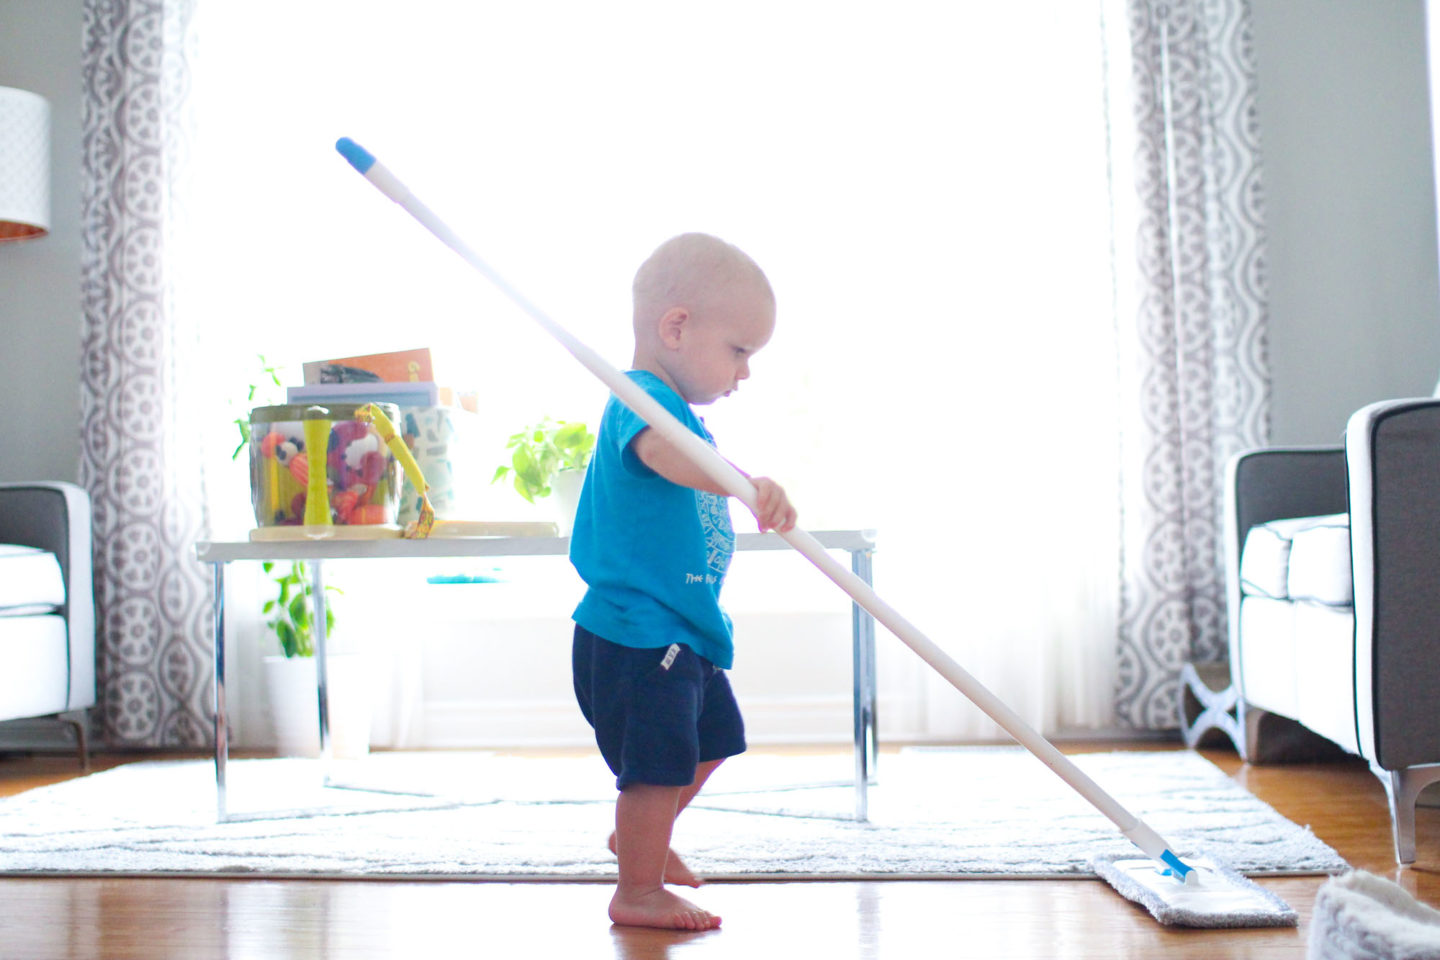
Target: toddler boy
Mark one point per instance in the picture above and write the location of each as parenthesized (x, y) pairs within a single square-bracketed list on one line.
[(652, 541)]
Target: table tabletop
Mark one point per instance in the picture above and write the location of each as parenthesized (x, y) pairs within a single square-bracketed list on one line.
[(221, 551)]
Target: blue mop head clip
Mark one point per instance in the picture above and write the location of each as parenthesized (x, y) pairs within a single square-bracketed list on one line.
[(1177, 868)]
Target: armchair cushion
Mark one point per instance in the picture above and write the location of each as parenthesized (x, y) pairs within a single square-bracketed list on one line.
[(1320, 563), (1265, 558), (30, 581), (1302, 558), (36, 675)]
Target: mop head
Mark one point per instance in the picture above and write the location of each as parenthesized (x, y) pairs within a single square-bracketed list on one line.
[(1214, 896)]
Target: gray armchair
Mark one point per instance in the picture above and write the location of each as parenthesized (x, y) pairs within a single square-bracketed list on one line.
[(47, 606), (1364, 674)]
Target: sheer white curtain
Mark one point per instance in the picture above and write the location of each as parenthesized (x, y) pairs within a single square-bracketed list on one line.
[(925, 183)]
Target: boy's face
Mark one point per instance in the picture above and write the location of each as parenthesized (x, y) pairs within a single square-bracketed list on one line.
[(713, 349)]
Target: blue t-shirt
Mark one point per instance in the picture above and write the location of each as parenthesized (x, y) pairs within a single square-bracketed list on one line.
[(653, 553)]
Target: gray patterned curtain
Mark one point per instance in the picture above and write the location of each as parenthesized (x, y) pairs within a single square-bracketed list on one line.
[(140, 452), (1196, 374)]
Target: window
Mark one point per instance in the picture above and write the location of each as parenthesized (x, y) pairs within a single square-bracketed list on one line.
[(926, 185)]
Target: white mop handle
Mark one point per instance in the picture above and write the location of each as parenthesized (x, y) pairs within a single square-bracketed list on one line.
[(737, 485)]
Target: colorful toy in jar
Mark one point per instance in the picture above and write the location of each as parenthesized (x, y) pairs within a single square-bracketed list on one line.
[(354, 482)]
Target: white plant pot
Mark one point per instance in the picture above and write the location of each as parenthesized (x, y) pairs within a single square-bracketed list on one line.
[(565, 494), (295, 710)]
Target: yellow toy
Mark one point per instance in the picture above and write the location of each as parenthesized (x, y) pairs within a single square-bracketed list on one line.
[(370, 413)]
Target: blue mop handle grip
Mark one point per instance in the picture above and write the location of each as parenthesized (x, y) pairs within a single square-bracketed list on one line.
[(371, 169), (360, 158)]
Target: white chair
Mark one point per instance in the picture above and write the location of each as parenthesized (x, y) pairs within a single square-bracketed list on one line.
[(47, 605), (1333, 579)]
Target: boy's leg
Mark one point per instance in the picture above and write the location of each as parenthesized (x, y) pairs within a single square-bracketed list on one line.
[(702, 773), (644, 817), (675, 870), (720, 732)]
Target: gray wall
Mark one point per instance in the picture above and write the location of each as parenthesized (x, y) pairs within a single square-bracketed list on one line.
[(1350, 202), (1350, 208), (40, 279)]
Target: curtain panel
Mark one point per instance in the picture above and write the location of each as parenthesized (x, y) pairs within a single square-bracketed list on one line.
[(140, 452), (1194, 371)]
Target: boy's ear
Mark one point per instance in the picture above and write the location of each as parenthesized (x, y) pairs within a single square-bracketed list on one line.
[(672, 325)]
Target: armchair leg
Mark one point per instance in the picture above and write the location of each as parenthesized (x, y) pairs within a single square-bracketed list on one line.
[(1402, 787), (1248, 720), (76, 721)]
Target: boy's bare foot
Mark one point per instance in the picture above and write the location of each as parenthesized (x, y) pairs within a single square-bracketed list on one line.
[(660, 908), (675, 870)]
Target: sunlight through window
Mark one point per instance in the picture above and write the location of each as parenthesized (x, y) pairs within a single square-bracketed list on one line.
[(925, 183)]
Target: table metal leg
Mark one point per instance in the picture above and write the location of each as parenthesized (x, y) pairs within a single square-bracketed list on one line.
[(222, 726), (863, 643), (322, 672)]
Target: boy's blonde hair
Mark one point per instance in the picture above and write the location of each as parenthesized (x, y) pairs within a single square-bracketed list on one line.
[(691, 271)]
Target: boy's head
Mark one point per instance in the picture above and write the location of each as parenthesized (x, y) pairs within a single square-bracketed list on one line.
[(702, 309)]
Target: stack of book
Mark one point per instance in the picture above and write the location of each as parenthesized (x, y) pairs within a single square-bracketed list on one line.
[(403, 377)]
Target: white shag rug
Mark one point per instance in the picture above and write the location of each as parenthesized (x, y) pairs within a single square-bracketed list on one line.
[(934, 813)]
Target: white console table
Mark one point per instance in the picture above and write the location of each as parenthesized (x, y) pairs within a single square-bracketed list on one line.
[(860, 544)]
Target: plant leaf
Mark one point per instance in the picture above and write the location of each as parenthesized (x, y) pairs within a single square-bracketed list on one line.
[(300, 611), (286, 633)]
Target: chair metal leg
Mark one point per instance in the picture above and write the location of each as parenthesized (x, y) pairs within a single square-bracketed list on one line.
[(76, 722), (1403, 786), (1249, 718)]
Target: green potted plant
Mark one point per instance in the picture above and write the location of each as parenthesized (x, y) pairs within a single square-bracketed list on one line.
[(550, 457), (291, 613)]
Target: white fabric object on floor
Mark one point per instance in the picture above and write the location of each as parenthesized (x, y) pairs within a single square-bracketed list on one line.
[(1359, 916)]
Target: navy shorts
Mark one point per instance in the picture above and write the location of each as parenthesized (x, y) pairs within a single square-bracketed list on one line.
[(657, 712)]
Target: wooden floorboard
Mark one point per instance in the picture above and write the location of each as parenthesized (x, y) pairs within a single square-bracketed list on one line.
[(197, 918)]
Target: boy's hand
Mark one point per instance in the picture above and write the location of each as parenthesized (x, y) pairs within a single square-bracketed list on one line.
[(775, 511)]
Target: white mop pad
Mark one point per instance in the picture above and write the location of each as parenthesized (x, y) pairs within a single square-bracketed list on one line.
[(1215, 896), (1360, 916)]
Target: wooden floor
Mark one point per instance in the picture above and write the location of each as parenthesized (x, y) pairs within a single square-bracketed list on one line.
[(124, 918)]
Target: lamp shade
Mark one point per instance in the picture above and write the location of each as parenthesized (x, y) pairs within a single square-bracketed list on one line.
[(24, 164)]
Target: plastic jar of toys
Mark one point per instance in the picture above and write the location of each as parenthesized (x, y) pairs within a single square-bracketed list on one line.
[(358, 486)]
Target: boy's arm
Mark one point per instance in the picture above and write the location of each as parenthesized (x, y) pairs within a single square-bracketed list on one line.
[(775, 511)]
